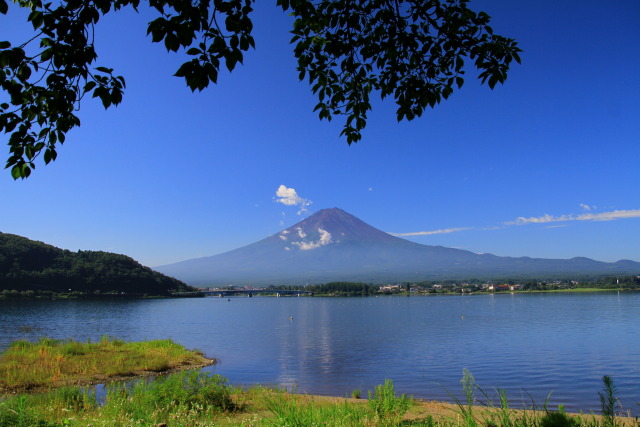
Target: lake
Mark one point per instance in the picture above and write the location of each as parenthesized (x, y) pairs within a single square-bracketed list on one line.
[(528, 344)]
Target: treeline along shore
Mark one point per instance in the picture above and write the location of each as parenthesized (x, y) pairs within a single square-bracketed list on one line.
[(625, 283)]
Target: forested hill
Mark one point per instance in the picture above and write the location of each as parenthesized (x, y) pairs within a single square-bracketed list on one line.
[(29, 265)]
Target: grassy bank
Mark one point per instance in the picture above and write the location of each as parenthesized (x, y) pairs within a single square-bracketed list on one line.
[(194, 398), (190, 398), (28, 366)]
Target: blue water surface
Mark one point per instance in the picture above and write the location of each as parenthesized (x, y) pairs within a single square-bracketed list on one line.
[(528, 344)]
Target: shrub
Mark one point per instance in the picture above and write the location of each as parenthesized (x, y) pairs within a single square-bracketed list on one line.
[(385, 403), (558, 419)]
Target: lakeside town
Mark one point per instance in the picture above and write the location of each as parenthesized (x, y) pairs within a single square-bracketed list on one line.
[(445, 287)]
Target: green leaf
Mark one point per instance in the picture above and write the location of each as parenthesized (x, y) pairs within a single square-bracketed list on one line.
[(218, 45), (89, 86), (116, 96), (16, 56), (24, 72), (230, 62), (171, 42), (36, 18), (244, 43), (4, 58), (25, 170), (50, 155), (157, 30), (46, 54), (184, 70), (16, 172)]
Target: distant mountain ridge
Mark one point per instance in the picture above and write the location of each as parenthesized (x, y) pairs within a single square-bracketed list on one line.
[(28, 265), (334, 245)]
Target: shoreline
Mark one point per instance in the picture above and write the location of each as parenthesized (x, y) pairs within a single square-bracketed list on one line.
[(26, 295)]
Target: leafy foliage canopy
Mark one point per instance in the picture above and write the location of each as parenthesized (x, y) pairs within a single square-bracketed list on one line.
[(411, 50)]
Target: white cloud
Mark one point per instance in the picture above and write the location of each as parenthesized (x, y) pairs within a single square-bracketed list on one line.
[(610, 216), (290, 197), (538, 219), (544, 219), (301, 233), (602, 216), (325, 239), (587, 207), (370, 188), (282, 236), (429, 233)]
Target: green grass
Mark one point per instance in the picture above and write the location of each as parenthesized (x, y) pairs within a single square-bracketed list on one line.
[(194, 398), (190, 398), (184, 398), (52, 363), (289, 411)]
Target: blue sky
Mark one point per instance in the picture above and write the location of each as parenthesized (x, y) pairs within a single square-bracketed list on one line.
[(543, 166)]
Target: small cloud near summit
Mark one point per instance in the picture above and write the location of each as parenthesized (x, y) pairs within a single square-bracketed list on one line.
[(301, 233), (289, 197), (325, 239)]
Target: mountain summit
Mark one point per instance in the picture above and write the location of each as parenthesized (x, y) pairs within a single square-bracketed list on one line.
[(335, 245), (331, 226)]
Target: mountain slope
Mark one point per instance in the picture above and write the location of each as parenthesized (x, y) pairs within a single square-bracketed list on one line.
[(30, 265), (334, 245)]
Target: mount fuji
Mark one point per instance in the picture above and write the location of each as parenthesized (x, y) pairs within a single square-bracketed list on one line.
[(333, 245)]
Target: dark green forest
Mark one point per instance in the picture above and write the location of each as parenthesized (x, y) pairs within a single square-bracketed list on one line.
[(27, 265), (335, 289)]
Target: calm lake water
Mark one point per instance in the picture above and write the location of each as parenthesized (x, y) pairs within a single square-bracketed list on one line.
[(528, 344)]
